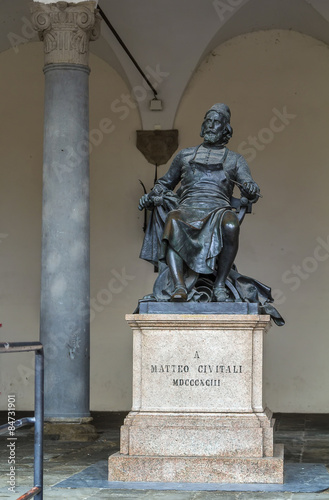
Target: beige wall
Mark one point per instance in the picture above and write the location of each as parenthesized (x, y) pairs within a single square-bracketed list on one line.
[(254, 74), (21, 129)]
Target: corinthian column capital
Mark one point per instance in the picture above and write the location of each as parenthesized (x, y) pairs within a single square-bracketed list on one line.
[(66, 29)]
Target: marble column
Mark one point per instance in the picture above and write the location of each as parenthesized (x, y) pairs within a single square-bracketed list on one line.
[(66, 29)]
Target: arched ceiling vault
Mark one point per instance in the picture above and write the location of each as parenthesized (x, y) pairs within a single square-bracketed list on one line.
[(169, 39)]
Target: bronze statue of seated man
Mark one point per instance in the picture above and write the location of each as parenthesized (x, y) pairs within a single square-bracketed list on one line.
[(201, 231)]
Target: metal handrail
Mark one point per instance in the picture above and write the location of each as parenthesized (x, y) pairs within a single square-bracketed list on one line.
[(37, 420)]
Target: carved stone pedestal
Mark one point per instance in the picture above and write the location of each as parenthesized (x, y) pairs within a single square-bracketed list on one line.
[(198, 412)]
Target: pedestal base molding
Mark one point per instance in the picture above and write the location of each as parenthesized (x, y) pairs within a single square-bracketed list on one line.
[(226, 435), (197, 469)]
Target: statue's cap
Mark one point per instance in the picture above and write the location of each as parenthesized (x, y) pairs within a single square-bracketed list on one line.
[(222, 109)]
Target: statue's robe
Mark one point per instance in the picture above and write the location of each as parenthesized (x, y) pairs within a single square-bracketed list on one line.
[(207, 176)]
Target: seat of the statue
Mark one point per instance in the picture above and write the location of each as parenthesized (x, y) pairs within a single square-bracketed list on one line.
[(153, 307)]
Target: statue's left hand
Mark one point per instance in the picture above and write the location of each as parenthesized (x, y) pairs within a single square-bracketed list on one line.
[(251, 189)]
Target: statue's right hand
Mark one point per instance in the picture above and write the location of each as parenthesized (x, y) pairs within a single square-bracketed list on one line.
[(145, 202)]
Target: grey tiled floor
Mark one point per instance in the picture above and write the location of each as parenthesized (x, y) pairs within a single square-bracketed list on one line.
[(306, 440)]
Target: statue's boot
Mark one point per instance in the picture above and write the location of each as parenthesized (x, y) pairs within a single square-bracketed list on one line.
[(220, 294), (179, 294)]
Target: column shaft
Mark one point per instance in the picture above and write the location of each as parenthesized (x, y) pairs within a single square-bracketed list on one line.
[(65, 242)]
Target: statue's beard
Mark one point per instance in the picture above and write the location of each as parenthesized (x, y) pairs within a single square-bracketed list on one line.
[(212, 138)]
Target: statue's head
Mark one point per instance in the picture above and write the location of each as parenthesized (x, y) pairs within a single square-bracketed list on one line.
[(216, 128)]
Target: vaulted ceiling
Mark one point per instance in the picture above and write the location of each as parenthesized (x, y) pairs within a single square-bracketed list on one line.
[(171, 37)]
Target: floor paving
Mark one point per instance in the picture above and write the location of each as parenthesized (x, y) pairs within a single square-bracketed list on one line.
[(306, 440)]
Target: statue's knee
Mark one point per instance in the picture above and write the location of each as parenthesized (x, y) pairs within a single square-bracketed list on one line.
[(230, 225)]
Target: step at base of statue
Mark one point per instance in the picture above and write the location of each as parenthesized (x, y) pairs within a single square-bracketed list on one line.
[(197, 469)]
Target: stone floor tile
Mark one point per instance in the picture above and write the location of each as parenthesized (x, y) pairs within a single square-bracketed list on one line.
[(121, 494), (171, 495), (70, 494), (310, 496), (317, 422), (293, 453), (316, 441), (324, 434), (264, 496), (316, 455), (290, 421), (217, 495), (54, 479)]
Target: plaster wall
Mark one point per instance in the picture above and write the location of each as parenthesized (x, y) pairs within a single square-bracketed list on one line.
[(259, 75), (262, 76)]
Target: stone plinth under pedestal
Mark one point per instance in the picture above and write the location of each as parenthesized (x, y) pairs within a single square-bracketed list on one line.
[(198, 412)]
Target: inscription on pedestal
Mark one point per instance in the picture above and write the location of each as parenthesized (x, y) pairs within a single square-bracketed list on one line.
[(189, 374), (196, 373)]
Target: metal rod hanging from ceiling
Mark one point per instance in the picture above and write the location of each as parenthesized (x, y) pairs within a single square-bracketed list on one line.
[(124, 46)]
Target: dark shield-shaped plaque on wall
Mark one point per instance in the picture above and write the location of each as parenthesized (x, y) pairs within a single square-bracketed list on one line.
[(157, 146)]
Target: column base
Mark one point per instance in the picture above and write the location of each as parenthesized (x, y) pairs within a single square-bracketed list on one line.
[(69, 420), (197, 469), (69, 431)]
